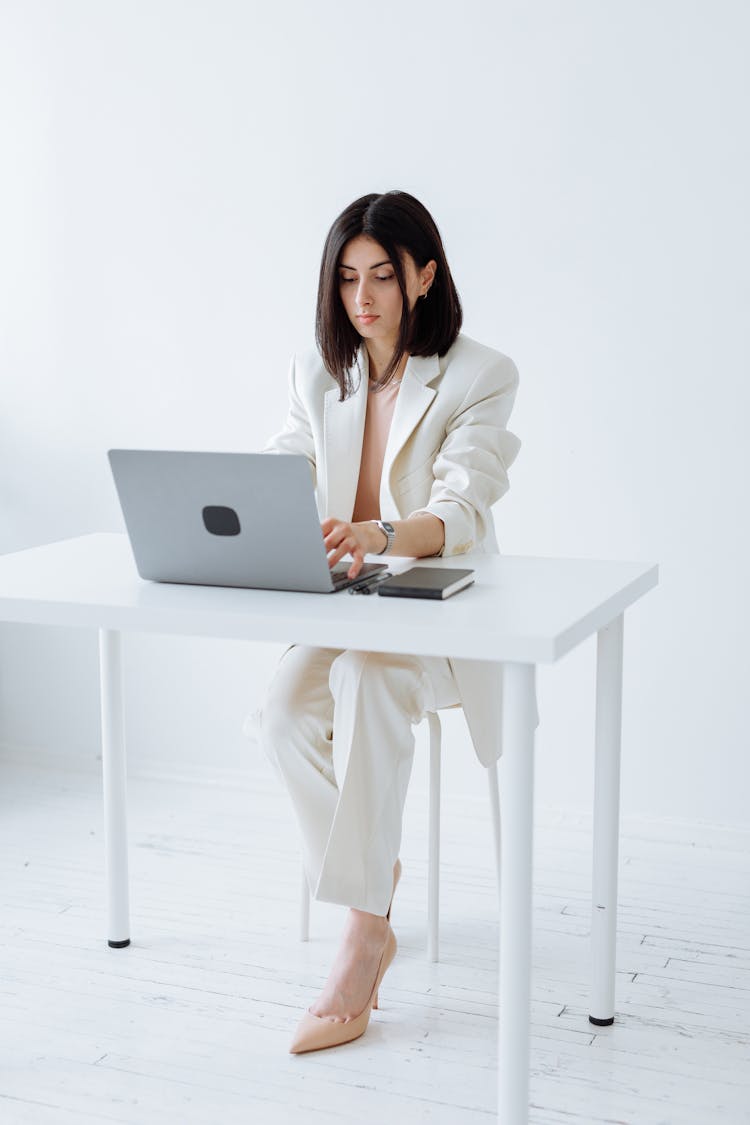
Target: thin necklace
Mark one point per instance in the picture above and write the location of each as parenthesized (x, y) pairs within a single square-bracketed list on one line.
[(390, 383)]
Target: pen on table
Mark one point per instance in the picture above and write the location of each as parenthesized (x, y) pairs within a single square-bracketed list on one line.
[(366, 585)]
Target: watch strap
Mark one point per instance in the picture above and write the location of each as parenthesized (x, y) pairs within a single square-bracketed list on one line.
[(390, 533)]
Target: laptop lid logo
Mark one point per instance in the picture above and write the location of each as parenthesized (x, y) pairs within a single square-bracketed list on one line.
[(221, 521)]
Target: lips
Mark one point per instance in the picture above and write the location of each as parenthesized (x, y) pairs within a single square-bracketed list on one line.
[(366, 319)]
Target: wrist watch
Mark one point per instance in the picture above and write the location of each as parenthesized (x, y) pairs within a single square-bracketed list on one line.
[(390, 533)]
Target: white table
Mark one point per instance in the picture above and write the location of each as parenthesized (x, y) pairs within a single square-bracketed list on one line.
[(521, 612)]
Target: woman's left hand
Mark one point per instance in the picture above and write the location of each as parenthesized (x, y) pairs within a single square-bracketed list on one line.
[(355, 539)]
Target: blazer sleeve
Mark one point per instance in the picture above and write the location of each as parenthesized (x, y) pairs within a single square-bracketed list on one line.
[(471, 467), (297, 435)]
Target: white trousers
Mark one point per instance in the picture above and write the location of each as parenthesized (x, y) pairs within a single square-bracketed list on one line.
[(337, 725)]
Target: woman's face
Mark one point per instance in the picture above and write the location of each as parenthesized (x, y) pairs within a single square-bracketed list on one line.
[(370, 292)]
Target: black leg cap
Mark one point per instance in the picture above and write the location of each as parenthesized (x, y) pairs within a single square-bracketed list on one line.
[(118, 944), (602, 1023)]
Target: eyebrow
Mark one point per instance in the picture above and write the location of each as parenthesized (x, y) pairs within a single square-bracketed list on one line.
[(385, 262)]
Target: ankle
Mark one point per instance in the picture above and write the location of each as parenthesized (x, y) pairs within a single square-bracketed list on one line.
[(372, 926)]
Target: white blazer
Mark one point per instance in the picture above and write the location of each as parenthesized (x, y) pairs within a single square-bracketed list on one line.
[(448, 453)]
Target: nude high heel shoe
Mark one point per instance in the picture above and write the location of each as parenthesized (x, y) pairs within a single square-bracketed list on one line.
[(314, 1033)]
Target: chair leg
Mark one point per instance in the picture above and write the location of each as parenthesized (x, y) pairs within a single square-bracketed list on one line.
[(433, 875), (304, 909), (495, 807)]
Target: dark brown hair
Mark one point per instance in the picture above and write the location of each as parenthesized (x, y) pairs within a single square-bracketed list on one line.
[(399, 222)]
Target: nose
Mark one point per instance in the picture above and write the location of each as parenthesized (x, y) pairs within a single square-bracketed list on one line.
[(364, 297)]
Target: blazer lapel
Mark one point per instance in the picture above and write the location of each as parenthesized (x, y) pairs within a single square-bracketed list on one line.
[(412, 402), (344, 424)]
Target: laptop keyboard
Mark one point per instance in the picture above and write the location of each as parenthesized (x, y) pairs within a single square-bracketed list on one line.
[(339, 574)]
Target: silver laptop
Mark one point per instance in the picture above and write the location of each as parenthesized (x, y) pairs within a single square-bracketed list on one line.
[(226, 519)]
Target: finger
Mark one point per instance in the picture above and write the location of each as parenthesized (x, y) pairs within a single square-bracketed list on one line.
[(335, 537), (335, 542), (357, 562), (330, 524), (331, 527), (347, 546)]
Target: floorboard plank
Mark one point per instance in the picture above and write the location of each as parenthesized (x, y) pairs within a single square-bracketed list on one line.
[(191, 1023)]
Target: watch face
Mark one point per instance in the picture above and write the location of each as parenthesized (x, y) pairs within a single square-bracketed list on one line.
[(390, 534)]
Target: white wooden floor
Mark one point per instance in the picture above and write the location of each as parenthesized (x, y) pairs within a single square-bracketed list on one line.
[(192, 1022)]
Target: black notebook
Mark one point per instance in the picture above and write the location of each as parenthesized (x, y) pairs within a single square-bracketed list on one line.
[(425, 582)]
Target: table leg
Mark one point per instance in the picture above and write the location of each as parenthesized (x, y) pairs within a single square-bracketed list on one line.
[(433, 867), (517, 764), (493, 785), (115, 797), (606, 821)]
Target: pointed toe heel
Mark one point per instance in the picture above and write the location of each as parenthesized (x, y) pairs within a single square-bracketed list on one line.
[(315, 1033)]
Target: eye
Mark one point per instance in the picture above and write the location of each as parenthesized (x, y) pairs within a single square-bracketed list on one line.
[(384, 277), (345, 280)]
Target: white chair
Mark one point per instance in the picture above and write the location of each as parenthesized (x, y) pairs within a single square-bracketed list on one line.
[(433, 873)]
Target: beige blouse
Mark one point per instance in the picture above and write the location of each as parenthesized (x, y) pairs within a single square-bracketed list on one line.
[(380, 407)]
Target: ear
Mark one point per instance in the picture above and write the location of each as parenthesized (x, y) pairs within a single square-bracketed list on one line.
[(427, 275)]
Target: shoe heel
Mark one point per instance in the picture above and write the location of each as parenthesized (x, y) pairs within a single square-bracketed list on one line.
[(375, 1001), (396, 877)]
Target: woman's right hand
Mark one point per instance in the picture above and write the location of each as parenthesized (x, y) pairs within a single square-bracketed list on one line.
[(355, 539)]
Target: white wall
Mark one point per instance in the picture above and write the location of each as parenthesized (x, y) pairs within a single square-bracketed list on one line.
[(169, 172)]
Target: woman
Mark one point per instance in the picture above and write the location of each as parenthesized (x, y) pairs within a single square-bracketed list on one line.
[(403, 422)]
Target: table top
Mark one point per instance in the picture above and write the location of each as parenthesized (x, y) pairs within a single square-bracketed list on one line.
[(530, 610)]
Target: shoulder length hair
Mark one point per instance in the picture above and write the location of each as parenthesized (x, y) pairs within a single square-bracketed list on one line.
[(399, 222)]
